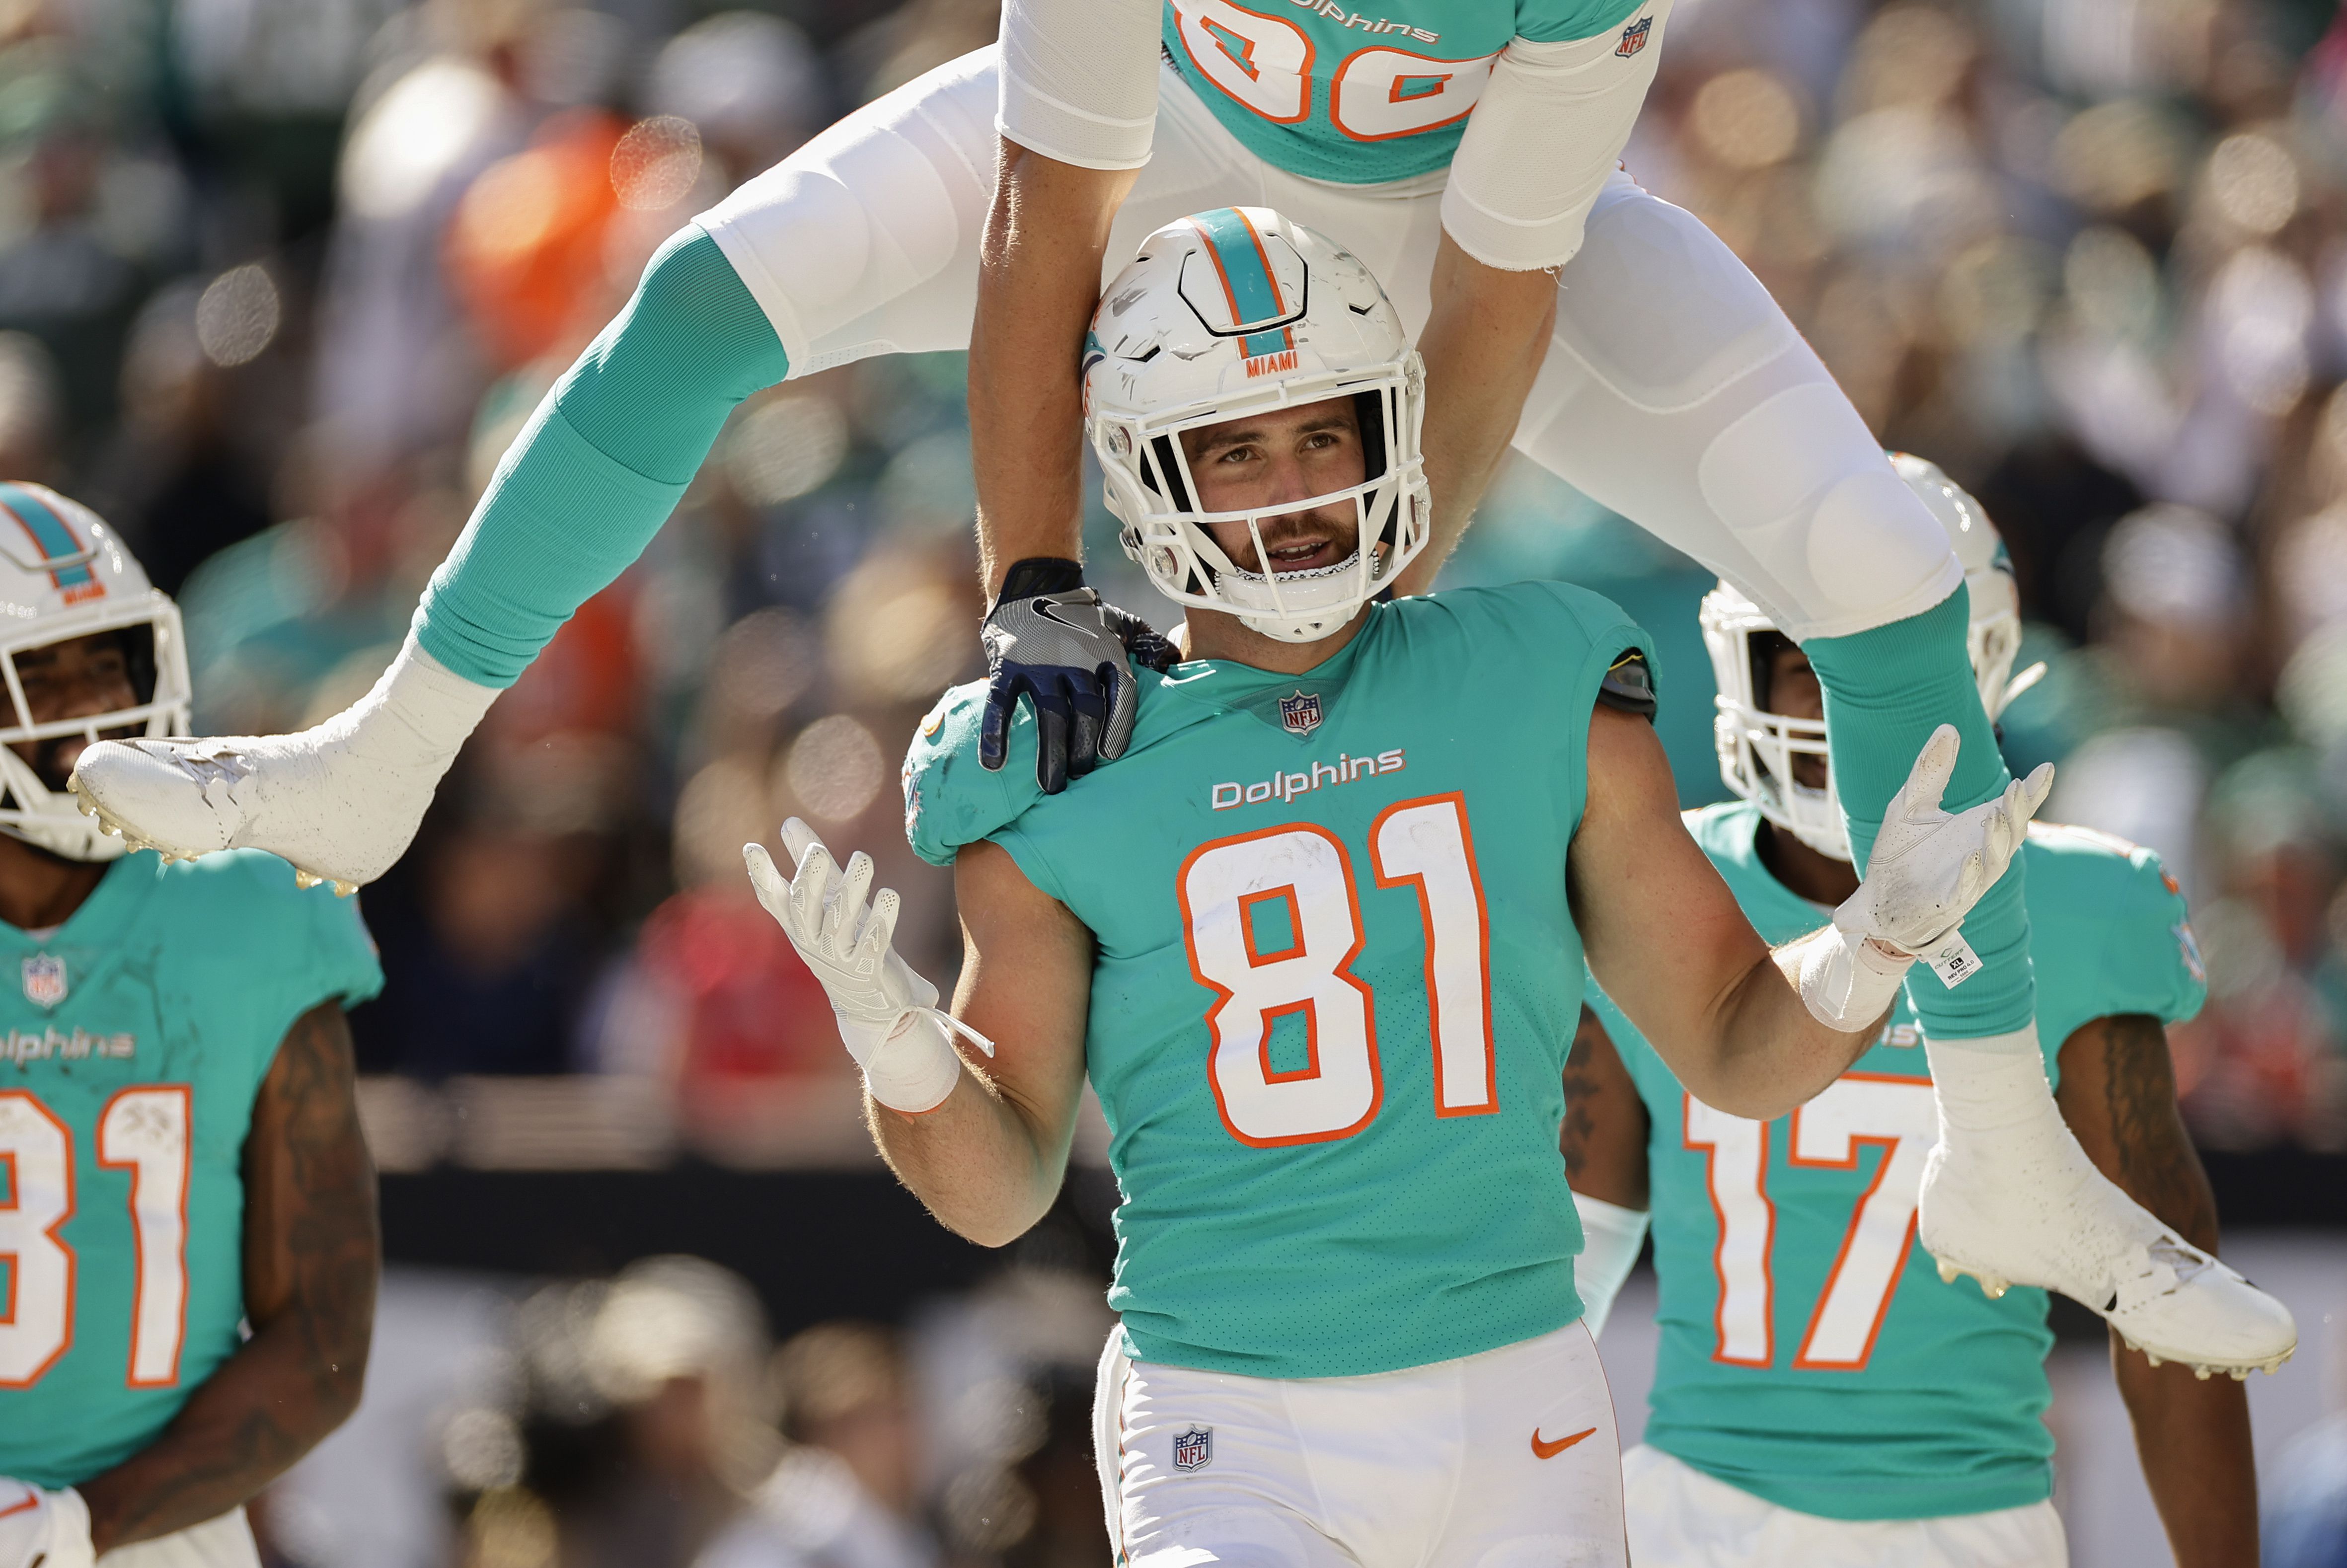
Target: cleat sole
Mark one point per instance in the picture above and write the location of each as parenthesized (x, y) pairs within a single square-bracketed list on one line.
[(1992, 1285)]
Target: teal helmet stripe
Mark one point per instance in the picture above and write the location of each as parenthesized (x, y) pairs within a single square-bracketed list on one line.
[(1254, 293), (49, 533)]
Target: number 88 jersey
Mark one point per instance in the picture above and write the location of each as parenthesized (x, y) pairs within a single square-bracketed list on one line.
[(1363, 94), (1336, 977), (133, 1039), (1810, 1354)]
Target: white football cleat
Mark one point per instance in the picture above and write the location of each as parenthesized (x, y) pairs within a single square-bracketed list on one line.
[(2023, 1205), (340, 802)]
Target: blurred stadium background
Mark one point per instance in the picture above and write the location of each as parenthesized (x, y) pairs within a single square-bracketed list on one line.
[(279, 279)]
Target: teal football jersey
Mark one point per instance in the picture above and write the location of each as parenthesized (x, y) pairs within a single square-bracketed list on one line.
[(1809, 1353), (1336, 979), (1358, 97), (131, 1047)]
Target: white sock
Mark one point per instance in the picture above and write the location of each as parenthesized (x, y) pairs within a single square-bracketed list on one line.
[(1988, 1083), (418, 714)]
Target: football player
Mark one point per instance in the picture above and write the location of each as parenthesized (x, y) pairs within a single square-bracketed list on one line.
[(1466, 149), (1820, 1398), (187, 1251), (1316, 945)]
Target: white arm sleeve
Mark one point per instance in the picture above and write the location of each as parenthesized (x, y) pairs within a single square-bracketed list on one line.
[(1544, 138), (1079, 79), (1610, 1238)]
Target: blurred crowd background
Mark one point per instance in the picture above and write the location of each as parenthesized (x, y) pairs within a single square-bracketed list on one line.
[(280, 280)]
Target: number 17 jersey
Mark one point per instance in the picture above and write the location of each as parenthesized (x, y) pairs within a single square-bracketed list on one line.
[(1335, 981), (1809, 1353)]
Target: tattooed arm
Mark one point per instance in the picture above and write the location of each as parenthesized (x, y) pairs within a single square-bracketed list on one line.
[(1605, 1123), (2118, 1095), (311, 1258)]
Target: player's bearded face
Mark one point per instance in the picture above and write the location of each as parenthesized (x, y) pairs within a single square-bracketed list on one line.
[(1281, 455), (69, 681), (1793, 691)]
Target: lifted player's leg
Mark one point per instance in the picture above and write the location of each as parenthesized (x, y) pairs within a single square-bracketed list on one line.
[(864, 241), (874, 207), (589, 481), (1677, 394)]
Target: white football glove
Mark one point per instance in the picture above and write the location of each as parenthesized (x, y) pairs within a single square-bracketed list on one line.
[(43, 1529), (888, 1016), (1928, 868)]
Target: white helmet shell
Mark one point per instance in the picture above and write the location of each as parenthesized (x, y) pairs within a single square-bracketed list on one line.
[(1221, 314), (63, 574), (1757, 749)]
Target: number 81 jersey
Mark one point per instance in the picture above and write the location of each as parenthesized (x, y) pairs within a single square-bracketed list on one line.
[(1336, 977), (1810, 1354), (133, 1039)]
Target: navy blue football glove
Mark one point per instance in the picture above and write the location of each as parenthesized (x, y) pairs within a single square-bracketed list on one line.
[(1053, 641)]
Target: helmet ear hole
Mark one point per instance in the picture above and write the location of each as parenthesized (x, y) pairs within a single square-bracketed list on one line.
[(1169, 466), (1370, 409), (1762, 647)]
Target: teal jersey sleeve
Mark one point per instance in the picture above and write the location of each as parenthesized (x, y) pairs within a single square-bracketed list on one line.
[(950, 799), (1354, 99), (1336, 976), (2142, 956), (133, 1040)]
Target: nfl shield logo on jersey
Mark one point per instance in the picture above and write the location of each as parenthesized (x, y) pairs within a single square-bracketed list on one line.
[(1633, 37), (45, 980), (1194, 1448), (1300, 714)]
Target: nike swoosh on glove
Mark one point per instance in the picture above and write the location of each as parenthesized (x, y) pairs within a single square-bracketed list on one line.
[(1929, 866), (43, 1529), (1060, 645), (888, 1015)]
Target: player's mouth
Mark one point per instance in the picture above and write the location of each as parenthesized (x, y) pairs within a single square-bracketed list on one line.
[(1308, 552)]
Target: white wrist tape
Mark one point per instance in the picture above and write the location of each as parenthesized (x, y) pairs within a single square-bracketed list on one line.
[(1544, 137), (1079, 79), (1847, 981), (909, 1065), (1611, 1237)]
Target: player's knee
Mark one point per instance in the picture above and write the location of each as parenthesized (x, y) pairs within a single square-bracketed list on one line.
[(1843, 543)]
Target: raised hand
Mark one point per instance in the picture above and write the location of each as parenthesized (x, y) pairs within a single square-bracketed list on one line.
[(888, 1016), (1929, 866)]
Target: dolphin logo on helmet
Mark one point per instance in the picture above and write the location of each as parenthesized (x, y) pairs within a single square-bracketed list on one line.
[(1221, 314)]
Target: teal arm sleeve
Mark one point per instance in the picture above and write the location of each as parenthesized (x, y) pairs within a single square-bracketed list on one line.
[(601, 463)]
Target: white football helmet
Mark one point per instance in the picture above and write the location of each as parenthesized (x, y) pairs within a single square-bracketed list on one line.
[(65, 574), (1757, 748), (1221, 314)]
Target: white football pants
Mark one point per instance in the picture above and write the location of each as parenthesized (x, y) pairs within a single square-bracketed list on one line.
[(222, 1542), (1682, 1518), (1504, 1459), (1675, 391)]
